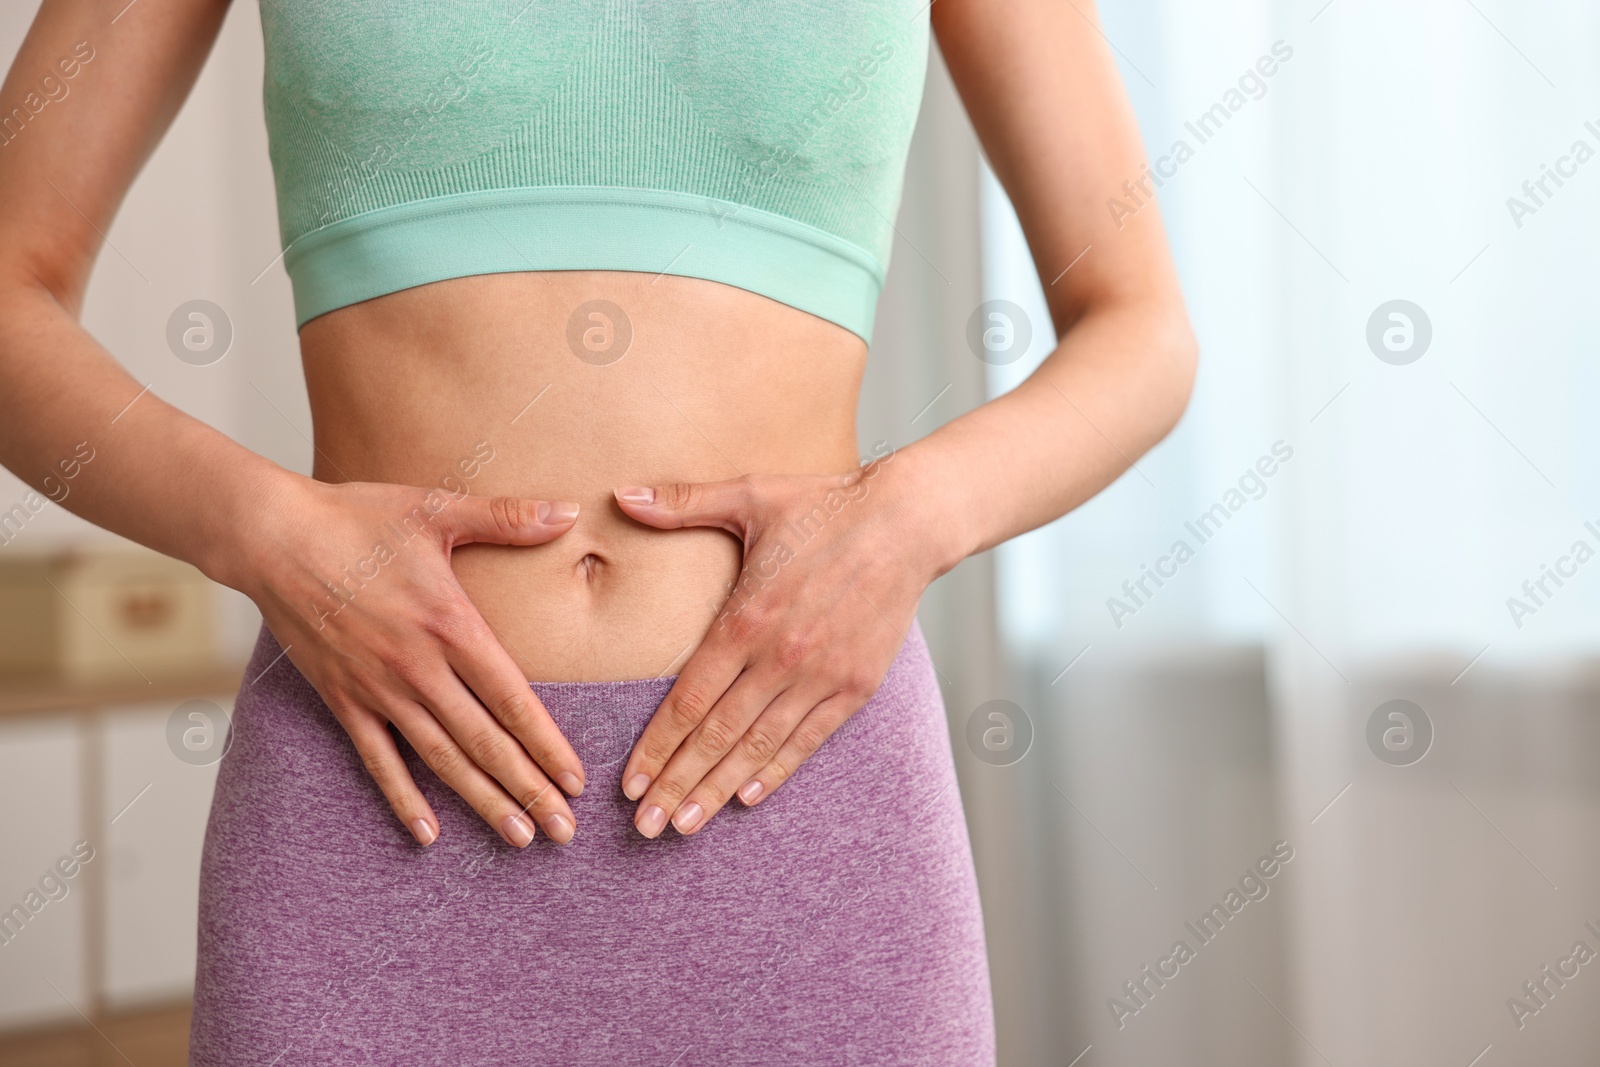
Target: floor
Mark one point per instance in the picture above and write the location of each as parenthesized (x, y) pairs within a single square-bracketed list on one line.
[(154, 1038)]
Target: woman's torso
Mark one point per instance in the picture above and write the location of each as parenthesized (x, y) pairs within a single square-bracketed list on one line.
[(544, 227), (714, 382)]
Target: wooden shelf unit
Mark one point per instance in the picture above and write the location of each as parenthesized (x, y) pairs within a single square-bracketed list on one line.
[(22, 695)]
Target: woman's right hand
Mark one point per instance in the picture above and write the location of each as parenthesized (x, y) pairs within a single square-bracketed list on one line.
[(354, 581)]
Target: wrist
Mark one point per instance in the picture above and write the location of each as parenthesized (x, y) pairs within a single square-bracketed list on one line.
[(928, 517), (254, 516)]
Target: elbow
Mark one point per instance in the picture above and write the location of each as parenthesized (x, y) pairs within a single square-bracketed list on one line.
[(1147, 347), (1176, 357), (22, 287)]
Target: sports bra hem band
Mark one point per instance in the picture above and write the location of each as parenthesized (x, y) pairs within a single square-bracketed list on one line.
[(584, 228)]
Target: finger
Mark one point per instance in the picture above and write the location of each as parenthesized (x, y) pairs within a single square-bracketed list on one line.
[(701, 750), (670, 507), (504, 520), (755, 750), (455, 769), (816, 727), (369, 732), (501, 756), (488, 670), (709, 674), (497, 756)]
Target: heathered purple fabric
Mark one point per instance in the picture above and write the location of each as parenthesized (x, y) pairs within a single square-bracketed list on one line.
[(836, 923)]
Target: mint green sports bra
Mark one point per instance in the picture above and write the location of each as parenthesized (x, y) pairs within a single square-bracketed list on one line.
[(761, 144)]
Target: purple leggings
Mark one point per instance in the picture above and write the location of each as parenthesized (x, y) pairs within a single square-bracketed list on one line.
[(835, 923)]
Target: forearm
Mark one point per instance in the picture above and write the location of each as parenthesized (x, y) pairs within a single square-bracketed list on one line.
[(1115, 386), (155, 474)]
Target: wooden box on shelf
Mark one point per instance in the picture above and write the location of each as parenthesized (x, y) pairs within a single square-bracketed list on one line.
[(87, 615)]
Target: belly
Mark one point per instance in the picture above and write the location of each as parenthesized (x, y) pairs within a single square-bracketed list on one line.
[(561, 386)]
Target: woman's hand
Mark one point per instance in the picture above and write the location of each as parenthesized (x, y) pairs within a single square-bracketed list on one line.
[(832, 573), (354, 580)]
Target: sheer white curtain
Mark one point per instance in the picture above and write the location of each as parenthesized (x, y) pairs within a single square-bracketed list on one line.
[(1358, 497)]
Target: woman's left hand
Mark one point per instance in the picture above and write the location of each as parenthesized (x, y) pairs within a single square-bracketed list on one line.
[(833, 569)]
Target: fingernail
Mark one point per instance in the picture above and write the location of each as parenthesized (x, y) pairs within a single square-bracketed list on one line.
[(634, 787), (651, 821), (750, 793), (559, 829), (555, 512), (636, 494), (517, 831), (688, 817), (423, 832), (570, 783)]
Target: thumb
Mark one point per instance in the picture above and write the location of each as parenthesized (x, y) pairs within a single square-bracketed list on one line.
[(726, 505), (506, 520)]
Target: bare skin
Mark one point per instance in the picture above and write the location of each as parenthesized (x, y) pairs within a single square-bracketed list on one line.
[(690, 400), (601, 536)]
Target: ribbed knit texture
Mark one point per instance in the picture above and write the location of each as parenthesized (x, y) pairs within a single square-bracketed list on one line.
[(836, 923), (800, 108)]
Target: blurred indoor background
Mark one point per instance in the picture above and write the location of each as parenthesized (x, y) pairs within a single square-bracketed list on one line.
[(1371, 668)]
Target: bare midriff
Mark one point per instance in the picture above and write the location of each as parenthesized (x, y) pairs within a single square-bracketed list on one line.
[(418, 386)]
